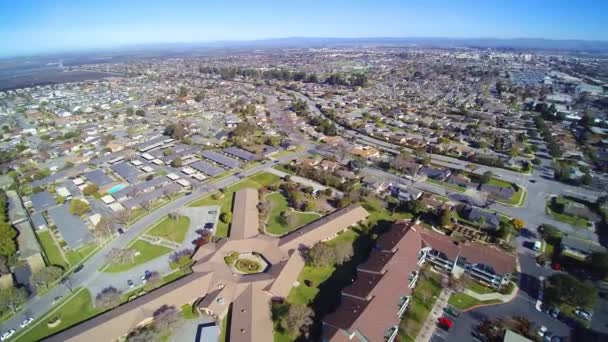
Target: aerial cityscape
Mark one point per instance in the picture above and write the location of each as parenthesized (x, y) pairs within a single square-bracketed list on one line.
[(350, 171)]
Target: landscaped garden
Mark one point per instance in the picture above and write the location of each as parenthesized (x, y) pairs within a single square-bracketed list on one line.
[(144, 252), (51, 250), (463, 301), (248, 266), (282, 219), (224, 199), (174, 229)]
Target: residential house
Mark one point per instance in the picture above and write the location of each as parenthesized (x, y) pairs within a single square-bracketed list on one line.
[(579, 248)]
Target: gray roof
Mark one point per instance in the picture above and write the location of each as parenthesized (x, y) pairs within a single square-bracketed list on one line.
[(221, 159), (206, 168), (151, 196), (98, 177), (238, 152), (475, 214), (581, 245), (73, 230), (42, 200), (126, 171), (38, 220)]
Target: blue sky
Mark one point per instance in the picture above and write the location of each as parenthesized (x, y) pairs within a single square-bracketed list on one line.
[(53, 26)]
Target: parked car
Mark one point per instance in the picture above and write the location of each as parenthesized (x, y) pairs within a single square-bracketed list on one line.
[(57, 299), (26, 322), (208, 225), (542, 331), (130, 283), (7, 334), (553, 311), (212, 212), (445, 323), (120, 231), (583, 314), (79, 268)]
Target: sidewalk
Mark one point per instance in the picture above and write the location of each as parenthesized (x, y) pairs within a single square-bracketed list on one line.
[(493, 296), (430, 324)]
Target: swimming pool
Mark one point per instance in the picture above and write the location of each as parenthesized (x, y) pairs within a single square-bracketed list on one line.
[(116, 188)]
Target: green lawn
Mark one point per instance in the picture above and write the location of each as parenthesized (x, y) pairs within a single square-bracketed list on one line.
[(76, 309), (225, 202), (224, 326), (146, 251), (188, 312), (377, 212), (279, 204), (422, 301), (51, 250), (575, 221), (304, 294), (463, 301), (445, 185), (283, 168), (479, 288), (76, 256), (170, 229)]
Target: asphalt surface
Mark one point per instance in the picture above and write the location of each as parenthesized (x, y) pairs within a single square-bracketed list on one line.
[(87, 277)]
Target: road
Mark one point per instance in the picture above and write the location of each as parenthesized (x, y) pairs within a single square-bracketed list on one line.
[(38, 306)]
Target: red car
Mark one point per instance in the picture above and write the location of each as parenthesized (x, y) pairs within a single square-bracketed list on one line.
[(556, 266), (445, 323)]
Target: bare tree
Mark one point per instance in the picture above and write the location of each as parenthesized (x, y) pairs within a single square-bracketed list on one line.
[(298, 319), (121, 256), (108, 297), (147, 206), (67, 282), (123, 217), (103, 228), (167, 318)]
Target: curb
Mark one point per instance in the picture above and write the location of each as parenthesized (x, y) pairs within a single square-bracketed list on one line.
[(482, 305)]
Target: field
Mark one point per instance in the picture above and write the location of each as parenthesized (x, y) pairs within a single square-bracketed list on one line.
[(275, 224), (170, 229), (146, 251), (225, 200), (76, 309)]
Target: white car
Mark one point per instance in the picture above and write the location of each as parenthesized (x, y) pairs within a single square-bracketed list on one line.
[(7, 334), (583, 314), (26, 322)]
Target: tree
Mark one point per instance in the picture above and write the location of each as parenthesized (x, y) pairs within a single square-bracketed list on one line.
[(298, 319), (146, 205), (446, 218), (103, 228), (90, 189), (108, 298), (564, 288), (142, 334), (415, 207), (177, 162), (167, 152), (183, 91), (486, 177), (121, 255), (122, 217), (343, 252), (79, 207), (140, 112), (598, 261), (518, 223), (226, 217), (12, 298), (167, 318), (46, 275), (321, 255)]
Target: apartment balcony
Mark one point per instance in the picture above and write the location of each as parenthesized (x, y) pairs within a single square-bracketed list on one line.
[(412, 279), (404, 302), (391, 334)]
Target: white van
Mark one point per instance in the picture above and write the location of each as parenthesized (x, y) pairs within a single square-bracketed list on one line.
[(537, 246)]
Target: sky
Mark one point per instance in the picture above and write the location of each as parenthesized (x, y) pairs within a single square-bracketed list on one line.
[(48, 26)]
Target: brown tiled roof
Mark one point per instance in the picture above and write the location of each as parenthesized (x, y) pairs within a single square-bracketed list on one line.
[(250, 319), (440, 242), (119, 321), (488, 255), (363, 285), (380, 313), (389, 240), (376, 262), (245, 214), (288, 275), (324, 228), (347, 313)]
